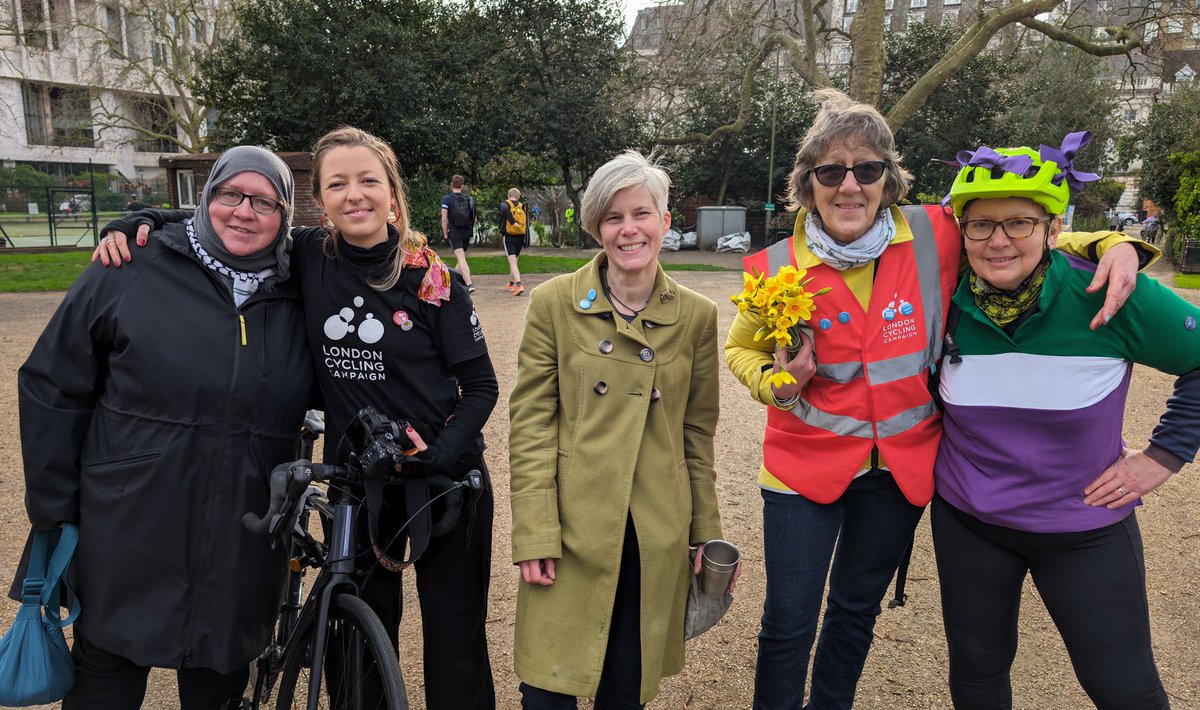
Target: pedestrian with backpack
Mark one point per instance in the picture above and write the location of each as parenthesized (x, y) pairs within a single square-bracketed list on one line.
[(514, 227), (458, 226)]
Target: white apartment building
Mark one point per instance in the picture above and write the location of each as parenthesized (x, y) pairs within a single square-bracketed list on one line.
[(74, 73)]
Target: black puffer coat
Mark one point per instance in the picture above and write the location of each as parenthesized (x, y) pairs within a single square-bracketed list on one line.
[(152, 409)]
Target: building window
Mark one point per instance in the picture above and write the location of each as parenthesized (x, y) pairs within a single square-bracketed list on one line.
[(154, 116), (185, 188), (1174, 26), (57, 115), (917, 3), (947, 3), (116, 31), (889, 5), (34, 25), (846, 20), (851, 7), (915, 16), (162, 25)]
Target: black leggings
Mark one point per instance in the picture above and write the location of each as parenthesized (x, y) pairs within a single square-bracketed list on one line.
[(452, 585), (1093, 584), (106, 680)]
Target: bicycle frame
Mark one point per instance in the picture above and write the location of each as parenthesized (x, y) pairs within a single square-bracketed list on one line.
[(336, 574)]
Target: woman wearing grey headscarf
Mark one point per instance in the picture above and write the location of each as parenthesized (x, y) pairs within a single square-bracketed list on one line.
[(151, 407)]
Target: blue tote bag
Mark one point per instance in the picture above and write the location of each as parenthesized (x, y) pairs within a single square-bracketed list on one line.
[(35, 664)]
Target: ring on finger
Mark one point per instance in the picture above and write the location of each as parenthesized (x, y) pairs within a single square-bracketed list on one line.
[(1121, 490)]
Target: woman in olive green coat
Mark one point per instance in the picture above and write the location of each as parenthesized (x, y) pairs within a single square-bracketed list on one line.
[(611, 456)]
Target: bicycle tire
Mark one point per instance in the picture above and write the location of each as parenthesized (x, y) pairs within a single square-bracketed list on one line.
[(369, 676)]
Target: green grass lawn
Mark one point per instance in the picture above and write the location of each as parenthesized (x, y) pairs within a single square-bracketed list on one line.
[(56, 272), (1181, 280), (41, 272)]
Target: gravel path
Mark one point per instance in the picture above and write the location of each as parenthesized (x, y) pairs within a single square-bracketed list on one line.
[(907, 666)]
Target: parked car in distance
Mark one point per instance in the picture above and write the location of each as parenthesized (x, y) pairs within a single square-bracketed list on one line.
[(1124, 217)]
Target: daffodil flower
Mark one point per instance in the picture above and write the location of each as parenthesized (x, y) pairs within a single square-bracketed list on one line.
[(781, 378)]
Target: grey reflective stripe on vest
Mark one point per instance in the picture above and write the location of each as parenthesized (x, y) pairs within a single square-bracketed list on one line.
[(840, 372), (837, 423), (779, 255), (906, 420), (929, 273), (849, 426)]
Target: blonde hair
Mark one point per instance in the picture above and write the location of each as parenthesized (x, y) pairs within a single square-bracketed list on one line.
[(629, 169), (844, 120), (410, 239)]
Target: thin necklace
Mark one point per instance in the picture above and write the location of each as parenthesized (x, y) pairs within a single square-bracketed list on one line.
[(613, 297)]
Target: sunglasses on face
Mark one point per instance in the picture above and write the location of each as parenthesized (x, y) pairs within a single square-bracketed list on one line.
[(864, 173)]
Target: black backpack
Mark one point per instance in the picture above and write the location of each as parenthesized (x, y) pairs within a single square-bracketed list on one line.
[(459, 210)]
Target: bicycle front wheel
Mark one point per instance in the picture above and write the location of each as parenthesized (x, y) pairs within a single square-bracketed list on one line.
[(361, 670)]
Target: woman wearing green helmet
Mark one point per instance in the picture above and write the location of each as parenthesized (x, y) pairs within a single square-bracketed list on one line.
[(1032, 475)]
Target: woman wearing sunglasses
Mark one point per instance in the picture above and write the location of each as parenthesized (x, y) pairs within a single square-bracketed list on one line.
[(849, 446)]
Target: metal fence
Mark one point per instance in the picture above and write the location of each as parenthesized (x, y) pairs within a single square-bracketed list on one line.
[(48, 216)]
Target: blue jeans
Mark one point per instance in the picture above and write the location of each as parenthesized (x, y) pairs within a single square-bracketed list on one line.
[(864, 534)]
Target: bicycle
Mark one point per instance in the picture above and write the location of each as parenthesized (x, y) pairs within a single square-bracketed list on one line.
[(332, 629)]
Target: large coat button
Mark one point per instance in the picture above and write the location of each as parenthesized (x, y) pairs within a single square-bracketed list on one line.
[(655, 395), (646, 354), (600, 387), (651, 324), (606, 346)]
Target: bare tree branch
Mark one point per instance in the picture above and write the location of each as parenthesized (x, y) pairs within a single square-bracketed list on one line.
[(803, 30), (1126, 38), (802, 62)]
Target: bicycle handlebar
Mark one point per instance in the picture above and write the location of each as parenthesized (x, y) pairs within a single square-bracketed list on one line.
[(287, 482)]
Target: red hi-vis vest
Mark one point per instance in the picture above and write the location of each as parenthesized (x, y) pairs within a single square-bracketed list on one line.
[(871, 385)]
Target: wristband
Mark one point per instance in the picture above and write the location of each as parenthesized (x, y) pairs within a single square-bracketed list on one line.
[(785, 403)]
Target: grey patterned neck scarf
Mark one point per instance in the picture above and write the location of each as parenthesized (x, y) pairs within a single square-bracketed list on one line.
[(861, 251)]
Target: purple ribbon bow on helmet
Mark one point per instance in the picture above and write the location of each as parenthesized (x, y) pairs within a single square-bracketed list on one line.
[(1063, 157), (985, 157)]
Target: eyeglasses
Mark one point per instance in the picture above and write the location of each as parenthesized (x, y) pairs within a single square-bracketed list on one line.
[(233, 198), (980, 230), (864, 173)]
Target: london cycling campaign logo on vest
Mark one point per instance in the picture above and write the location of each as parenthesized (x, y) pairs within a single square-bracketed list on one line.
[(899, 322)]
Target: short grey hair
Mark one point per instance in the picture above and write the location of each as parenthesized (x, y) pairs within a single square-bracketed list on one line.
[(629, 169), (842, 120)]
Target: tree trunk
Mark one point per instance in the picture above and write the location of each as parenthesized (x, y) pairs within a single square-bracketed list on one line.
[(573, 194), (725, 165), (868, 55)]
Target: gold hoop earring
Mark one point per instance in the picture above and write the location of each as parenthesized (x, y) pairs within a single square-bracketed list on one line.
[(326, 223), (393, 216)]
